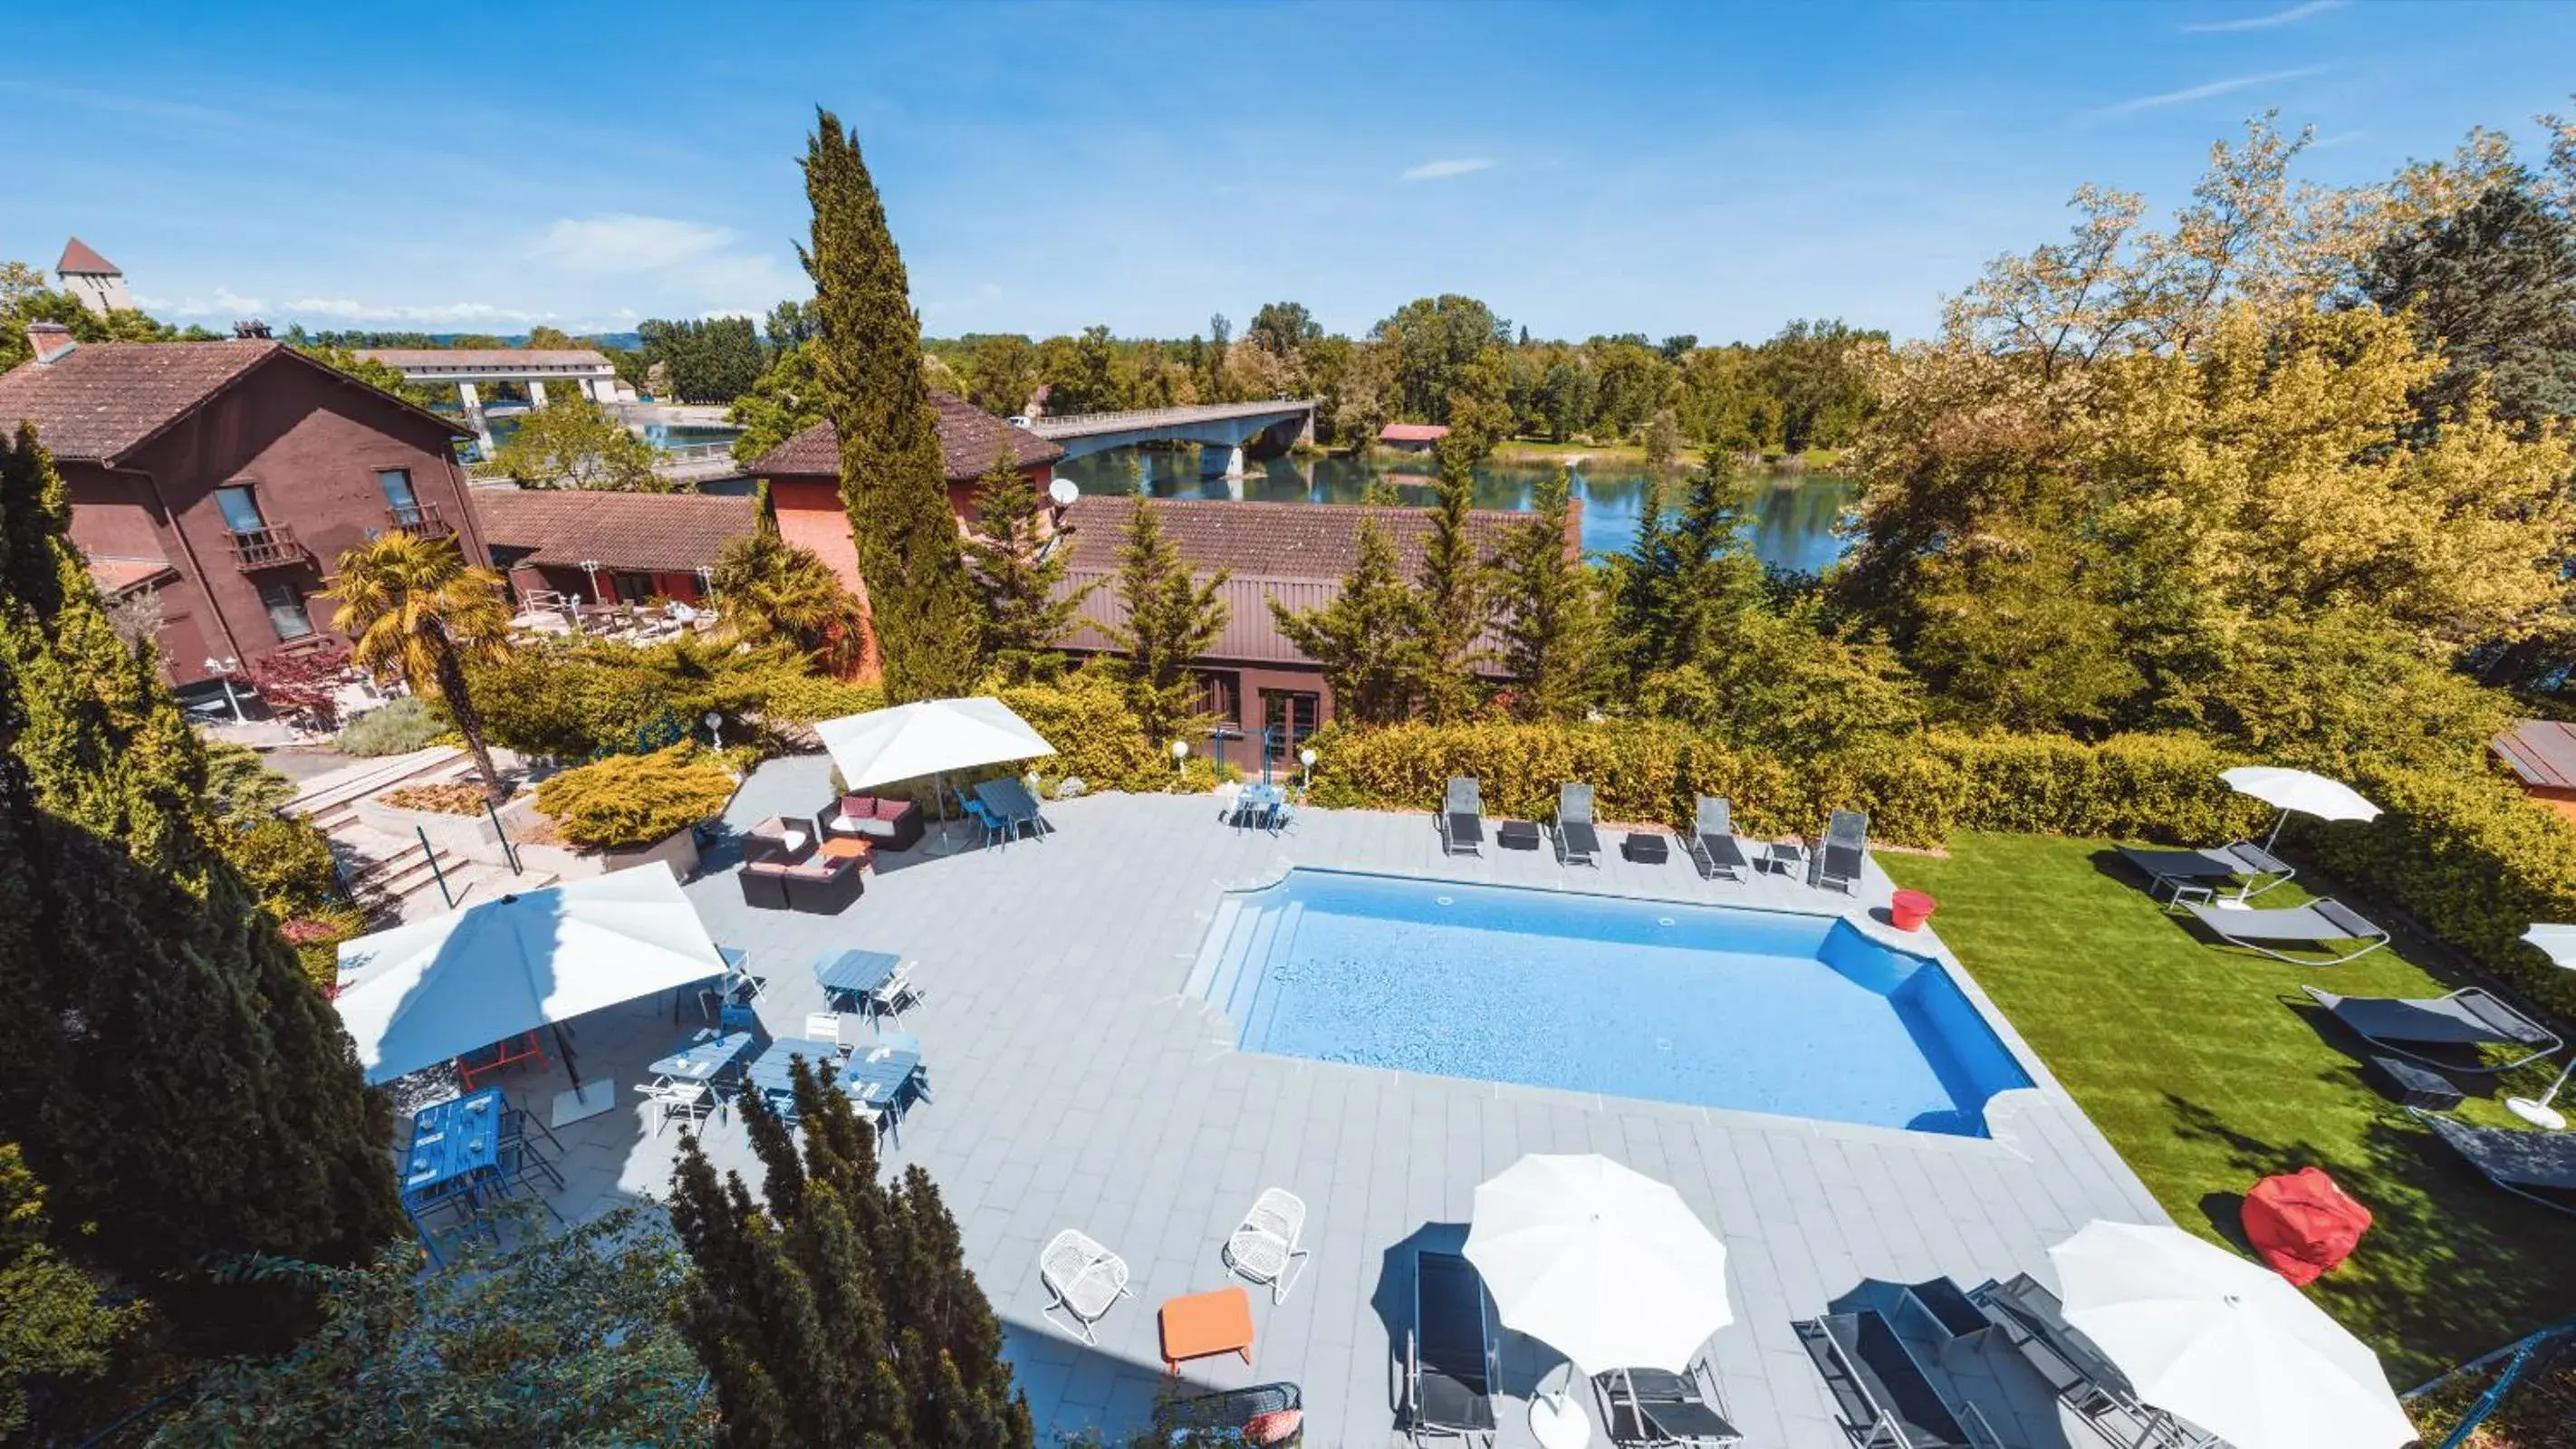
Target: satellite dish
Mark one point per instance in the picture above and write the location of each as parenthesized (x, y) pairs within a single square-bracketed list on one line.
[(1063, 491)]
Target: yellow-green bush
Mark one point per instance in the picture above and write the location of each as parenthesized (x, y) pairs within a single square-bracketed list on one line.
[(799, 695), (1095, 734), (626, 801)]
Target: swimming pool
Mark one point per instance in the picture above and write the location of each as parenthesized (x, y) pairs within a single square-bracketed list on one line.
[(1712, 1006)]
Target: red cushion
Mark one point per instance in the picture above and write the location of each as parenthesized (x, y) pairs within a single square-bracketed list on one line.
[(2302, 1224), (1276, 1427)]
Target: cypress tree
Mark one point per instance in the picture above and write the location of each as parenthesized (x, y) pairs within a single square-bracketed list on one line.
[(1018, 575), (1550, 625), (1369, 638), (833, 1310), (173, 1077), (1457, 601), (1170, 621), (893, 483)]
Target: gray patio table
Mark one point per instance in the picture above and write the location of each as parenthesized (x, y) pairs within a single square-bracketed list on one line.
[(856, 975)]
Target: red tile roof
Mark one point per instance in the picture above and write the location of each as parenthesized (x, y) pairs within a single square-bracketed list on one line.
[(969, 438), (77, 257), (2541, 752), (116, 575), (1296, 553), (669, 532), (102, 400), (1412, 433)]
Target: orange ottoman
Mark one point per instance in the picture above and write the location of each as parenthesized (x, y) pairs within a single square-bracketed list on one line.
[(1206, 1323)]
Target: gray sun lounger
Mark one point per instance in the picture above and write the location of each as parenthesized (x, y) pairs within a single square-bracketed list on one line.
[(1451, 1362), (2206, 871), (2033, 1321), (1881, 1390), (1652, 1407), (1845, 847), (1462, 817), (2313, 925), (2526, 1164), (1576, 837), (2470, 1017), (1713, 843)]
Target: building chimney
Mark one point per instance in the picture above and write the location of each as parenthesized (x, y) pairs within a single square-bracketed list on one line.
[(253, 330), (51, 340)]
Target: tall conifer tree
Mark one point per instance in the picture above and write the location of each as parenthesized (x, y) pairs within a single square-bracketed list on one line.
[(1369, 638), (173, 1077), (1170, 620), (1015, 571), (1548, 618), (892, 480), (835, 1310), (1457, 600)]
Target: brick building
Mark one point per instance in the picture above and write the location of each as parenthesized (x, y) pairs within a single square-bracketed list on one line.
[(227, 476)]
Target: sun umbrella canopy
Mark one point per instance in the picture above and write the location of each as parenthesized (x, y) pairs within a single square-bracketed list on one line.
[(421, 993), (1606, 1265), (928, 737), (2224, 1343), (2300, 791), (2557, 942)]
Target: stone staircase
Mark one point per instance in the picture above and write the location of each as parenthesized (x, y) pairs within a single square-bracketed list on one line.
[(392, 878)]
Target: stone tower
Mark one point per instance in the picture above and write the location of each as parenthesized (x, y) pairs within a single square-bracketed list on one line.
[(92, 278)]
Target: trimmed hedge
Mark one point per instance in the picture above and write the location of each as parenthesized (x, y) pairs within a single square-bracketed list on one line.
[(2466, 855), (627, 801)]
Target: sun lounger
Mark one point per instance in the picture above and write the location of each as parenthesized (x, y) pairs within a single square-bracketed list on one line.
[(1845, 849), (2034, 1322), (1082, 1278), (1576, 837), (2178, 872), (1881, 1392), (2469, 1018), (1450, 1361), (1714, 847), (1462, 817), (1651, 1407), (2313, 925), (2538, 1165)]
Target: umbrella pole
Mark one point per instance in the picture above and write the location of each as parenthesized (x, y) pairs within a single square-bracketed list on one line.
[(939, 796), (2274, 837), (563, 1048)]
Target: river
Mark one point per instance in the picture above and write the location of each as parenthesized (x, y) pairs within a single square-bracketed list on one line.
[(1792, 527)]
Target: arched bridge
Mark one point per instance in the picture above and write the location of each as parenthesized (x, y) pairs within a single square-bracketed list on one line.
[(1224, 428)]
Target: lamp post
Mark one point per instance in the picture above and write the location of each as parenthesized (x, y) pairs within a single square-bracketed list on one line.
[(1306, 775), (1180, 755), (223, 672), (715, 728)]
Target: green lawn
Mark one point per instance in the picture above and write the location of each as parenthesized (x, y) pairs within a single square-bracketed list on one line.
[(2187, 1057)]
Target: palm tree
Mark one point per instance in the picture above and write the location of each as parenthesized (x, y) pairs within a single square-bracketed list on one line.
[(414, 605), (773, 591)]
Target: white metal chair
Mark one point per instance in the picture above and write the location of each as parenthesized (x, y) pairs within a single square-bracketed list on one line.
[(890, 998), (826, 1026), (691, 1100), (1265, 1248), (1083, 1278)]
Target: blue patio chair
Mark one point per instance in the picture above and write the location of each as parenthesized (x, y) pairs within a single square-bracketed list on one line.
[(1281, 816), (995, 830)]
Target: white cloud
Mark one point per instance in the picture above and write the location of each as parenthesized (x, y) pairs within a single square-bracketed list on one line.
[(2291, 16), (228, 300), (1437, 170), (2229, 86), (349, 309), (624, 243)]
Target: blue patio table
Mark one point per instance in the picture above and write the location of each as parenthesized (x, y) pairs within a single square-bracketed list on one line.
[(1011, 802), (878, 1077), (770, 1074), (856, 975), (703, 1055), (453, 1141)]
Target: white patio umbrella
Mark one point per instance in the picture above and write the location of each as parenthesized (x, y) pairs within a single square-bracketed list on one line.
[(1607, 1265), (2558, 943), (2224, 1342), (416, 995), (931, 737), (2300, 791)]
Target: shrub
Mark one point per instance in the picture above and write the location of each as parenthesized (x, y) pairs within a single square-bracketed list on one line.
[(626, 801), (398, 728), (582, 699), (1096, 736), (799, 695), (287, 864)]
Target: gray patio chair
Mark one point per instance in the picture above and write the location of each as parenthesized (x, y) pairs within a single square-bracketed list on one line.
[(2540, 1166), (1577, 836), (2207, 870), (1845, 849), (1655, 1408), (1265, 1248), (2314, 925), (1082, 1278), (1451, 1362), (1714, 847), (2470, 1017), (1462, 816)]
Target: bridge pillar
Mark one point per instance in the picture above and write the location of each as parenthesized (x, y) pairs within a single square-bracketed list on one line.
[(474, 416), (603, 390), (1306, 428), (536, 392), (1231, 459)]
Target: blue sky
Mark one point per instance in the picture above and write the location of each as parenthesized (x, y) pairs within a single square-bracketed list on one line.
[(1661, 169)]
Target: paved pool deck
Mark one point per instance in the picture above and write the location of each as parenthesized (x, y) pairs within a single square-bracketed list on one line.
[(1076, 1084)]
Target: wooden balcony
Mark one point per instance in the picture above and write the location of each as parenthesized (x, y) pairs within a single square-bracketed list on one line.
[(421, 520), (268, 548)]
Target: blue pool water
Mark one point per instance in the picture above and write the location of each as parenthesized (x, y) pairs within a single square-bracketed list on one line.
[(1711, 1006)]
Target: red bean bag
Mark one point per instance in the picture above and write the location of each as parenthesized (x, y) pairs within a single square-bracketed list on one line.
[(2301, 1224)]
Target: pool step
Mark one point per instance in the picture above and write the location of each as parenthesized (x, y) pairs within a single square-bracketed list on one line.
[(1211, 957), (1254, 1013)]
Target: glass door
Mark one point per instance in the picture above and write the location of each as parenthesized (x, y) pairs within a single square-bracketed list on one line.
[(1287, 718)]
